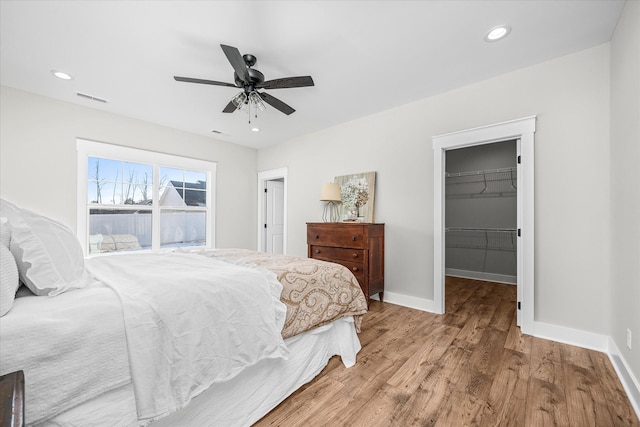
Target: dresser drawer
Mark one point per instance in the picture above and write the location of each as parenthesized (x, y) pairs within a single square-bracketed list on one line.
[(331, 253), (351, 237), (323, 253)]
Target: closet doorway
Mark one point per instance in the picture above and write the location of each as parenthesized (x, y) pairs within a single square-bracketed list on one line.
[(481, 187), (519, 132)]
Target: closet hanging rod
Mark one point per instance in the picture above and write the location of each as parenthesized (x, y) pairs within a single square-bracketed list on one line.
[(482, 172)]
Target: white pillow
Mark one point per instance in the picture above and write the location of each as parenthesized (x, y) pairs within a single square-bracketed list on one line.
[(48, 254), (5, 232), (8, 280)]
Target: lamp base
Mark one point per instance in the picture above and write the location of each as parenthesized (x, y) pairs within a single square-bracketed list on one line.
[(330, 212)]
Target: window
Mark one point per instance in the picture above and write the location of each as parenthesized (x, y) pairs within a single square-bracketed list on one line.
[(131, 199)]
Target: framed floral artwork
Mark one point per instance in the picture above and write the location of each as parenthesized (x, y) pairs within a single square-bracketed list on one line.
[(357, 192)]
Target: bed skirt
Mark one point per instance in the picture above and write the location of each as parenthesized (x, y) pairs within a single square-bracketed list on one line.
[(241, 401)]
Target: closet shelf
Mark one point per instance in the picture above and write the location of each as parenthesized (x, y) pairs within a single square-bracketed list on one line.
[(491, 182), (493, 239)]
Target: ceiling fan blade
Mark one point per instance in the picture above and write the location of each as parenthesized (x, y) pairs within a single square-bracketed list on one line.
[(288, 82), (236, 61), (276, 103), (230, 108), (204, 82)]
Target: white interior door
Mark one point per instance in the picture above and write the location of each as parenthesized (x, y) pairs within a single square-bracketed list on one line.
[(274, 218), (519, 247), (264, 177)]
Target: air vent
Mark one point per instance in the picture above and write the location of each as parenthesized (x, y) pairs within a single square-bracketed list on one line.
[(93, 98)]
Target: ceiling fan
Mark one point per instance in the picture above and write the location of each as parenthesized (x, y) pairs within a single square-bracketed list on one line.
[(250, 80)]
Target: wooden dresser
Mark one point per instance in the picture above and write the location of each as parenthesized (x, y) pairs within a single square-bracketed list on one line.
[(358, 246)]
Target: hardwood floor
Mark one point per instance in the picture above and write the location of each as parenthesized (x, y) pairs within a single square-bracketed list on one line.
[(471, 366)]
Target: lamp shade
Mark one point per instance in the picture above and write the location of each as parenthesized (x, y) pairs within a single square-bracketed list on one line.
[(330, 192)]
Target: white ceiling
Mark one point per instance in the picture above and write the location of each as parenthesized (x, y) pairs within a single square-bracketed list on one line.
[(364, 56)]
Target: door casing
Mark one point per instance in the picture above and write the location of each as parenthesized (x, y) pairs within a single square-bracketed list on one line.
[(263, 177), (522, 129)]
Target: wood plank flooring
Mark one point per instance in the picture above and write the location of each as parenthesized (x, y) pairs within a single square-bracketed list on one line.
[(470, 366)]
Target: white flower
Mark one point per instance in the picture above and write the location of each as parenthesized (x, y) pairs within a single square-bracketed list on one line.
[(355, 193)]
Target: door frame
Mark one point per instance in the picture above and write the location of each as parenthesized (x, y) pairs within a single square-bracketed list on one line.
[(263, 177), (522, 129)]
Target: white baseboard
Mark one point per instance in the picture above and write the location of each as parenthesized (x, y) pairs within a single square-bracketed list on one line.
[(406, 301), (577, 337), (628, 380), (479, 275)]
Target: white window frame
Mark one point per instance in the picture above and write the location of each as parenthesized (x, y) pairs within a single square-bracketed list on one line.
[(87, 148)]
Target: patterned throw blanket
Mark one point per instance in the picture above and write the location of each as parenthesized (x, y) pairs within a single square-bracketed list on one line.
[(315, 292)]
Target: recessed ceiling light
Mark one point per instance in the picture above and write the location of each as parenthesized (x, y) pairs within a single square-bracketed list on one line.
[(497, 33), (255, 129), (61, 75)]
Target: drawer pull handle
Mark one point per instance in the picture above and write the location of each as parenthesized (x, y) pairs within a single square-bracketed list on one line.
[(355, 255), (355, 268), (353, 238), (317, 251), (317, 236)]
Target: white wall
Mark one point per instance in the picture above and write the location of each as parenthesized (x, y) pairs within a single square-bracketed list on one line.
[(39, 166), (570, 96), (625, 184)]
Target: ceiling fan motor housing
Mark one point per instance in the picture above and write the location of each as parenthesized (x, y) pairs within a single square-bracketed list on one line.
[(255, 78)]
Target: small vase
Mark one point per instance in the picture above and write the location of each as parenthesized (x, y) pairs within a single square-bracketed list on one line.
[(352, 214)]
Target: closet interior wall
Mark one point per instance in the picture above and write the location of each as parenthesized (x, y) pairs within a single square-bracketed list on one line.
[(481, 212)]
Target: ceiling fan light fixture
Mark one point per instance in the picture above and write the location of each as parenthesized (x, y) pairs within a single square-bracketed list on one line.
[(239, 100), (256, 101), (497, 33)]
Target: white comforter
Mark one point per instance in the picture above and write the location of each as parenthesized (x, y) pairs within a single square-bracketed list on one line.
[(71, 348), (191, 321)]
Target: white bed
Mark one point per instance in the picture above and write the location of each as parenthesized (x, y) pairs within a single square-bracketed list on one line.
[(190, 339), (239, 402), (103, 355)]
